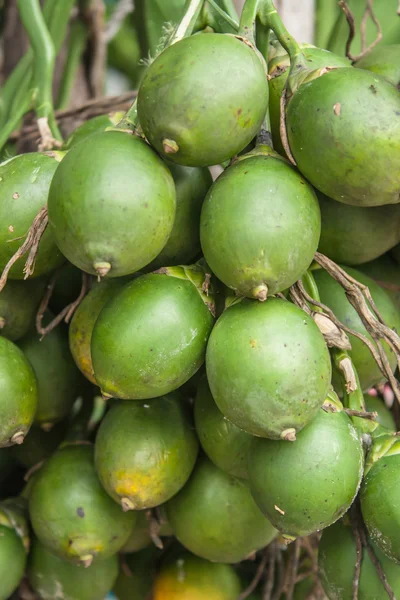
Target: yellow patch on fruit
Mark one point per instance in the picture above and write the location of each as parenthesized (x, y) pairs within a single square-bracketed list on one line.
[(169, 587), (140, 488)]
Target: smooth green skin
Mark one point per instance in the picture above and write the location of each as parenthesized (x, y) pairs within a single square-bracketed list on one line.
[(386, 272), (18, 392), (189, 96), (271, 237), (51, 576), (136, 586), (145, 451), (385, 417), (189, 577), (384, 61), (140, 537), (83, 321), (12, 561), (67, 288), (355, 234), (39, 444), (19, 301), (380, 505), (333, 295), (112, 200), (336, 561), (317, 58), (268, 367), (183, 244), (29, 176), (57, 376), (355, 157), (224, 443), (66, 483), (91, 126), (150, 338), (215, 517), (313, 480)]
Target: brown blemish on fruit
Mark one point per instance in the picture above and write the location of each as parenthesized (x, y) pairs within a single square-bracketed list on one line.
[(15, 195)]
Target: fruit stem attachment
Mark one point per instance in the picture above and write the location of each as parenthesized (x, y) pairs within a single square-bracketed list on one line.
[(18, 437), (102, 268), (43, 67), (127, 504)]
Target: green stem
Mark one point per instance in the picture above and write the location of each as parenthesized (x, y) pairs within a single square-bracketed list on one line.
[(269, 16), (14, 121), (76, 46), (186, 26), (21, 75), (312, 289), (229, 8), (248, 19), (234, 25), (44, 60)]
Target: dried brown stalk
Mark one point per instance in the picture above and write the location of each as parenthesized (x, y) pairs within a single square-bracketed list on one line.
[(369, 12), (154, 530), (67, 312), (80, 114), (257, 577), (31, 245)]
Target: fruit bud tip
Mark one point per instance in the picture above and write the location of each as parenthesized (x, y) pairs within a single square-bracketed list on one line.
[(260, 292), (87, 560), (170, 146), (127, 504), (289, 435), (102, 268), (18, 437), (106, 396)]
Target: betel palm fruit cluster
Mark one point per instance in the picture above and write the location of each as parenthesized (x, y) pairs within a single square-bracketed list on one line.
[(212, 400)]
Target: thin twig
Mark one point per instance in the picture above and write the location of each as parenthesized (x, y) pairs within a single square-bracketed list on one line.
[(154, 530), (371, 416), (121, 11), (369, 11), (67, 312), (257, 577), (282, 126), (93, 108), (31, 245), (281, 576), (270, 574), (293, 568)]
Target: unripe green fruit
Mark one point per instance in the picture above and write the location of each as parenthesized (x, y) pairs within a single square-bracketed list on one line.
[(12, 561), (264, 244), (344, 133), (111, 204), (380, 505), (307, 485), (215, 517), (24, 189), (91, 126), (145, 451), (57, 376), (183, 244), (194, 110), (19, 301), (51, 576), (224, 443), (355, 234), (83, 322), (385, 417), (18, 394), (71, 514), (337, 557), (162, 325), (384, 61), (188, 577), (268, 367), (317, 58)]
